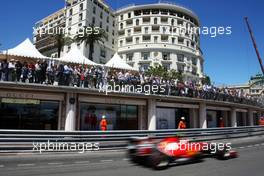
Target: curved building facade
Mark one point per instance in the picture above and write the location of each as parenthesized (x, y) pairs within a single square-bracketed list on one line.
[(149, 35)]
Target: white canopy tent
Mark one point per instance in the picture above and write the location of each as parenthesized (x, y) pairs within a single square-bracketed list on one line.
[(75, 56), (117, 62), (25, 49)]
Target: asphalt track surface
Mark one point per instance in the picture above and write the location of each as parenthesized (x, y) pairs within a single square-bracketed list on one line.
[(108, 163)]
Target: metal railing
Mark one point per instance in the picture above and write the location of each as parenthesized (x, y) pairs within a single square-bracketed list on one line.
[(22, 140)]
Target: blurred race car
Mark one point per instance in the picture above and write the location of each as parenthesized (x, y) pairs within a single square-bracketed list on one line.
[(160, 153)]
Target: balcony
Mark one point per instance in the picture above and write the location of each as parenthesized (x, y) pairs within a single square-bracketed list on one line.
[(146, 20)]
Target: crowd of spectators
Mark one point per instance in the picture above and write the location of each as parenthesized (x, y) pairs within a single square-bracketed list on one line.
[(46, 72)]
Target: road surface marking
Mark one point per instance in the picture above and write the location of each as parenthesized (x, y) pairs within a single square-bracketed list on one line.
[(25, 165), (54, 163), (81, 162), (2, 166), (241, 147), (125, 159), (249, 146), (257, 145), (106, 160)]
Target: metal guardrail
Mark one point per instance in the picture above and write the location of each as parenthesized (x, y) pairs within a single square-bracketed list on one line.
[(22, 140)]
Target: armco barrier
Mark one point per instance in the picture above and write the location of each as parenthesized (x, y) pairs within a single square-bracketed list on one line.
[(22, 140)]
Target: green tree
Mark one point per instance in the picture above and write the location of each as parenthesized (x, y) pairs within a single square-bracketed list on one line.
[(161, 71), (156, 71), (206, 80), (90, 38), (176, 75)]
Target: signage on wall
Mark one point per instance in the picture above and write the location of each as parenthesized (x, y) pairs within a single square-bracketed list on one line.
[(16, 95), (19, 101)]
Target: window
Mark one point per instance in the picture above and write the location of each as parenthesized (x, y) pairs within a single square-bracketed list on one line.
[(40, 115), (164, 12), (113, 33), (129, 40), (70, 21), (107, 29), (180, 57), (173, 40), (129, 57), (194, 71), (81, 6), (121, 25), (80, 17), (129, 15), (121, 17), (146, 30), (172, 22), (137, 12), (145, 56), (93, 21), (146, 38), (102, 53), (146, 20), (107, 19), (194, 61), (156, 39), (143, 67), (121, 43), (155, 20), (70, 12), (166, 66), (129, 32), (101, 24), (180, 22), (137, 40), (94, 10), (181, 68), (129, 22), (146, 12), (164, 38), (119, 117), (166, 56), (180, 40), (137, 22), (101, 15)]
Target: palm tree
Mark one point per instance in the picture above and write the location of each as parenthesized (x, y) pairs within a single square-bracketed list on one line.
[(94, 36), (61, 40)]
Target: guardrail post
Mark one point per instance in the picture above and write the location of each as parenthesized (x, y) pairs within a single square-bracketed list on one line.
[(70, 121), (202, 115), (151, 114)]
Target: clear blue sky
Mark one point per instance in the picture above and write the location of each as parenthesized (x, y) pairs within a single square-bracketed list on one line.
[(228, 59)]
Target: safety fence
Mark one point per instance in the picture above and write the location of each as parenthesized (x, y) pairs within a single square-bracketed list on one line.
[(24, 140)]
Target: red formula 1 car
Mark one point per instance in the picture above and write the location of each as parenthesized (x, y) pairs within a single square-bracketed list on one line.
[(160, 153)]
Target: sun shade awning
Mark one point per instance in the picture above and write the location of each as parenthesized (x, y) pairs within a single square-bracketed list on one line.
[(75, 56), (25, 49), (117, 62)]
